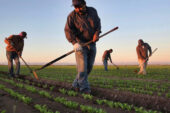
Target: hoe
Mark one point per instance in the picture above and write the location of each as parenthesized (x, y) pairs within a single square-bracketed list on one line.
[(146, 59), (31, 71), (85, 44), (117, 67)]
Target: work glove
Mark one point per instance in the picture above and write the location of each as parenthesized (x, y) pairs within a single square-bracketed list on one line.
[(77, 47), (95, 37)]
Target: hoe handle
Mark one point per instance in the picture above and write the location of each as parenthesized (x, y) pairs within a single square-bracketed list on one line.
[(31, 71), (57, 59), (26, 64), (152, 54)]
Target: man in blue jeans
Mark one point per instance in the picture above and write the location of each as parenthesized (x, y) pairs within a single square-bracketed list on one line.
[(15, 44), (106, 57), (83, 25)]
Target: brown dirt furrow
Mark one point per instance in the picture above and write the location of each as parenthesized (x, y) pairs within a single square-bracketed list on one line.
[(12, 105), (147, 101), (82, 101), (38, 99)]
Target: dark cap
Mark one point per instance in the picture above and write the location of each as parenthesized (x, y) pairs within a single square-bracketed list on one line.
[(140, 41), (78, 2), (110, 50), (23, 34)]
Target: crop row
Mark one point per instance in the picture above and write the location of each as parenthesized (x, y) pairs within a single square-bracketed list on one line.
[(123, 106), (150, 88), (17, 95), (43, 109), (26, 100), (61, 100), (154, 72)]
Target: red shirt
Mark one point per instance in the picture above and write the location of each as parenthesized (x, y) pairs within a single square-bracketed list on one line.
[(18, 43)]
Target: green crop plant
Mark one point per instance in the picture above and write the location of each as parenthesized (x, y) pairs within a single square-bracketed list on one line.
[(19, 85), (60, 99), (45, 86), (87, 96), (168, 95), (30, 88), (51, 88), (72, 93), (20, 80), (45, 93), (2, 86), (3, 111), (110, 104), (26, 100), (128, 107), (89, 109), (63, 91), (99, 101), (21, 97), (43, 109), (159, 94), (141, 110), (70, 104)]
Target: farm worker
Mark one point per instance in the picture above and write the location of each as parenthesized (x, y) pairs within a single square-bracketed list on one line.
[(142, 52), (15, 44), (106, 57), (83, 25)]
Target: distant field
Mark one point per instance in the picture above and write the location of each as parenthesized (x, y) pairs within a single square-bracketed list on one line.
[(155, 72), (120, 90)]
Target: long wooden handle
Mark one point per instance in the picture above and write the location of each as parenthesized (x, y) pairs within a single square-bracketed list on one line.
[(57, 59), (31, 71)]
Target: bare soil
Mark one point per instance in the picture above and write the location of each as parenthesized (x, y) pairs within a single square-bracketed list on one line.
[(146, 101)]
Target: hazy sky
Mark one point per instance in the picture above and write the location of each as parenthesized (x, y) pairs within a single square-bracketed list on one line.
[(44, 21)]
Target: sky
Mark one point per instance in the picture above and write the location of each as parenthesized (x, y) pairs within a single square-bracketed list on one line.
[(44, 22)]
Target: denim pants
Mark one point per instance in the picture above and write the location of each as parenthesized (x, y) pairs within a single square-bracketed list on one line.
[(143, 66), (12, 55), (105, 64), (85, 60)]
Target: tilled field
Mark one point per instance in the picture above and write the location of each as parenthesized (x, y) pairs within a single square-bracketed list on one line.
[(49, 96)]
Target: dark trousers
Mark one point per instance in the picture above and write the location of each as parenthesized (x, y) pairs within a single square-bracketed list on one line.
[(12, 55), (105, 64)]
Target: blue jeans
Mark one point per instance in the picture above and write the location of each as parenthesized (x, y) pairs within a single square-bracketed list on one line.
[(105, 64), (12, 55), (85, 60)]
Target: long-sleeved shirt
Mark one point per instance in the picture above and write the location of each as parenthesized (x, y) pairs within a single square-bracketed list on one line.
[(14, 43), (106, 56), (81, 28), (142, 51)]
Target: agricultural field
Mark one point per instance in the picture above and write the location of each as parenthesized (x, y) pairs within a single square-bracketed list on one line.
[(115, 91)]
